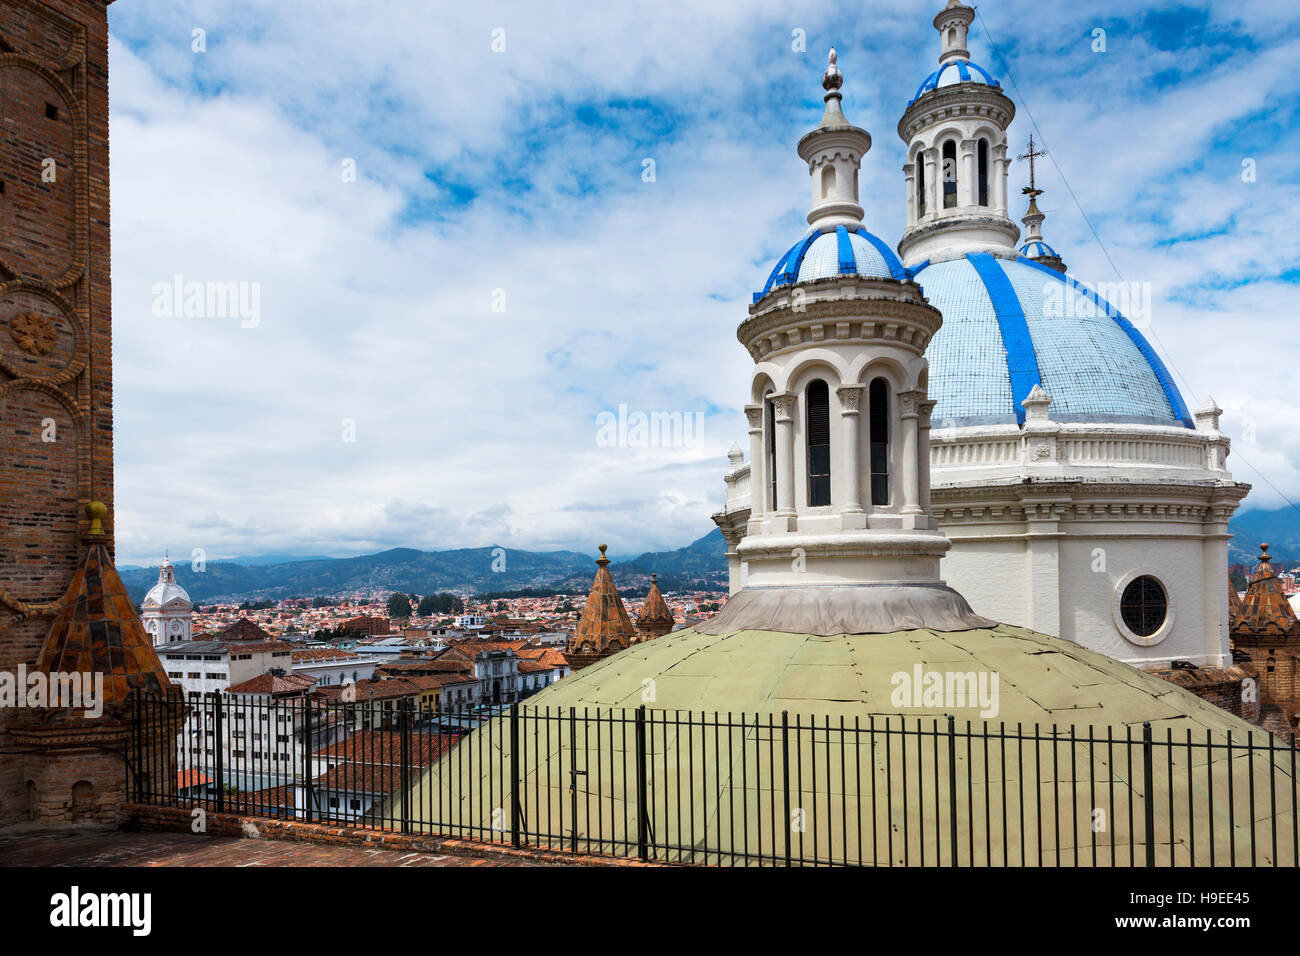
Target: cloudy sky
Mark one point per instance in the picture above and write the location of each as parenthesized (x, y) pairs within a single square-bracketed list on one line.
[(454, 257)]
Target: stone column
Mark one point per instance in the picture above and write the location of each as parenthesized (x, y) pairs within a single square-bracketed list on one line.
[(909, 171), (784, 406), (1043, 554), (967, 193), (757, 462), (1214, 571), (923, 450), (850, 486), (1000, 167), (909, 407), (933, 187), (733, 537)]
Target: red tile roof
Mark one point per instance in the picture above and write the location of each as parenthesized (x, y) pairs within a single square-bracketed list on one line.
[(190, 778), (392, 688), (244, 630), (370, 761), (274, 685), (323, 654)]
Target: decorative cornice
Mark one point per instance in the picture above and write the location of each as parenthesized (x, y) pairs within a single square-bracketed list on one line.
[(962, 100), (940, 224), (1084, 500), (776, 323), (865, 544)]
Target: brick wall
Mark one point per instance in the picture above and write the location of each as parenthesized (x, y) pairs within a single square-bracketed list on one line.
[(1220, 686), (56, 430)]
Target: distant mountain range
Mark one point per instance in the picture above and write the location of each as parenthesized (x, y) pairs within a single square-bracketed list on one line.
[(480, 570), (701, 564), (1280, 528)]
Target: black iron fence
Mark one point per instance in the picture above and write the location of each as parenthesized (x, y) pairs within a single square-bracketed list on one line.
[(750, 789)]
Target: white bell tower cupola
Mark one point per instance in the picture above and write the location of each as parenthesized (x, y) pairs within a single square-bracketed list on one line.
[(834, 152), (839, 416), (953, 24), (957, 165)]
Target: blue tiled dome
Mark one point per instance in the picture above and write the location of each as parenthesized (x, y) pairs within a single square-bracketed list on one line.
[(952, 73), (820, 255), (1036, 249), (1007, 327)]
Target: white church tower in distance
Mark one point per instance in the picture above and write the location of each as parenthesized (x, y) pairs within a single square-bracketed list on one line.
[(167, 612)]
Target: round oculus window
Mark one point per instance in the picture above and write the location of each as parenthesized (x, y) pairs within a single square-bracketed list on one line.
[(1144, 606)]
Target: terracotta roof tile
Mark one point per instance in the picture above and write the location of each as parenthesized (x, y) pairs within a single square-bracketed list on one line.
[(656, 618), (275, 685), (99, 631), (604, 627), (244, 630), (1265, 610)]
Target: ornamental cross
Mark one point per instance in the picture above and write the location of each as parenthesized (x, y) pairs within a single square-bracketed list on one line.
[(1033, 154)]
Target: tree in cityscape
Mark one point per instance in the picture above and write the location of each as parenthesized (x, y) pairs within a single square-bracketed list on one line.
[(399, 606), (443, 603)]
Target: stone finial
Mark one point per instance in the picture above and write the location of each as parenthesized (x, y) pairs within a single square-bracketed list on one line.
[(1036, 405), (832, 79), (735, 455), (1207, 416), (602, 560)]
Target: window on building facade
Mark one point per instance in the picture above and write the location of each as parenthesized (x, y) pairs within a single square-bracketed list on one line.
[(878, 422), (1144, 605), (769, 416), (949, 175), (920, 185), (983, 162), (819, 444)]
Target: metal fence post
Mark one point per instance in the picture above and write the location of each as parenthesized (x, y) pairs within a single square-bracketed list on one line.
[(515, 782), (1148, 774), (952, 787), (218, 746), (404, 718), (306, 759), (785, 775), (137, 732), (573, 777), (642, 810)]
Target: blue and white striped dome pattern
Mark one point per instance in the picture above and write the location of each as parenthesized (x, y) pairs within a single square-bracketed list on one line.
[(1006, 328), (821, 255), (1037, 250), (952, 73)]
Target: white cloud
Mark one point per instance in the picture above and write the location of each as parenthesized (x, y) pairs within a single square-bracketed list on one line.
[(522, 172)]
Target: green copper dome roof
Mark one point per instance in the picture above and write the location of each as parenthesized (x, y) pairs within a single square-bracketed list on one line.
[(724, 780)]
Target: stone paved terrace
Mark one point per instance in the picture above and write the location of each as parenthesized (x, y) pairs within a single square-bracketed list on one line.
[(106, 848)]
